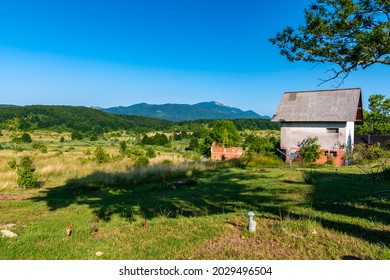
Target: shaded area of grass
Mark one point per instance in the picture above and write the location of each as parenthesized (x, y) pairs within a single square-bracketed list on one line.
[(334, 217)]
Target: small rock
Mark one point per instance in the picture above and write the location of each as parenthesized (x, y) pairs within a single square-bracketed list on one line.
[(8, 233), (314, 232), (99, 254)]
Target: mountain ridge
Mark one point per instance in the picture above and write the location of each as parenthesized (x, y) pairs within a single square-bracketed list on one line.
[(184, 112)]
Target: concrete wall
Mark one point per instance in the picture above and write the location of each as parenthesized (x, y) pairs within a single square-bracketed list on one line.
[(331, 136)]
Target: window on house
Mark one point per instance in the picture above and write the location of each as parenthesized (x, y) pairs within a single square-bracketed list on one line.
[(332, 130), (331, 154)]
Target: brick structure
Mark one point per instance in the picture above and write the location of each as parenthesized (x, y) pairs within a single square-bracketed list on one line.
[(218, 152)]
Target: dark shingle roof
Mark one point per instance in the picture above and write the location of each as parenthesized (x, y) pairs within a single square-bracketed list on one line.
[(339, 105)]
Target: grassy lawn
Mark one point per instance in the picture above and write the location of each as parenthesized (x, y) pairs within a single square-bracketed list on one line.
[(332, 218), (124, 212)]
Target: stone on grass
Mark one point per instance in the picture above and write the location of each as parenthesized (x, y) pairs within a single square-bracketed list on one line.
[(8, 233)]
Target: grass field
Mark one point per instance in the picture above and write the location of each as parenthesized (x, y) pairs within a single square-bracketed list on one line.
[(124, 212)]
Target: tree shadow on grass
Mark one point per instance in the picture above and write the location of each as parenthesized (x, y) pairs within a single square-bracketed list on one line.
[(225, 194), (349, 197), (226, 191)]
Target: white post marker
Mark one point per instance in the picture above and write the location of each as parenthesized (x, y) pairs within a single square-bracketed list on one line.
[(251, 222)]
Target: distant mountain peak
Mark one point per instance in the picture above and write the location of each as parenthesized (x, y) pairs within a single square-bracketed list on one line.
[(183, 112)]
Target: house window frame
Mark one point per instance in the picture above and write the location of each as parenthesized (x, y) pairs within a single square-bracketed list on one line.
[(332, 130)]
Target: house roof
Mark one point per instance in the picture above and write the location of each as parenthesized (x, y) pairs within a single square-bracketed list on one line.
[(340, 105)]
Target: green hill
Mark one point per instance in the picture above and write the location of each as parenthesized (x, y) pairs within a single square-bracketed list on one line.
[(75, 118)]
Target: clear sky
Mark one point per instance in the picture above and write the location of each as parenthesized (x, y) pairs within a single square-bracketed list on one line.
[(111, 53)]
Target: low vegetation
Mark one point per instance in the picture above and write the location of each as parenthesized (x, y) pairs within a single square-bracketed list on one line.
[(123, 210)]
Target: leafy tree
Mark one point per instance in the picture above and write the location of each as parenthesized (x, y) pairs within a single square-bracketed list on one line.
[(310, 149), (25, 172), (352, 34), (194, 144), (225, 133), (122, 147), (261, 145), (62, 139), (377, 119)]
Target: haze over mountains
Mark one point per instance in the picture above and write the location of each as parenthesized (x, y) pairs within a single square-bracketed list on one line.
[(183, 112)]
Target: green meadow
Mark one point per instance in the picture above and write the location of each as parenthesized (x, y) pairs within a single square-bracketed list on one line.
[(122, 211)]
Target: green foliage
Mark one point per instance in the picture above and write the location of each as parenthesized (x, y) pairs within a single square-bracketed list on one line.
[(12, 164), (377, 119), (24, 138), (83, 119), (62, 139), (364, 154), (310, 149), (150, 152), (39, 146), (25, 172), (141, 161), (194, 144), (122, 147), (76, 135), (101, 156), (157, 140), (225, 133), (134, 153), (261, 145), (352, 34)]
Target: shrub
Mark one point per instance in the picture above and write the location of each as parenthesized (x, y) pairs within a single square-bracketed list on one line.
[(62, 139), (101, 156), (76, 135), (25, 138), (141, 161), (12, 164), (310, 149), (39, 146), (150, 152), (122, 147), (25, 172)]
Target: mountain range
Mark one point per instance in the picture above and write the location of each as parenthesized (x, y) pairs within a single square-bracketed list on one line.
[(184, 112)]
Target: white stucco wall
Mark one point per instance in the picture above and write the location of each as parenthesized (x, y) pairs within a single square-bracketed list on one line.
[(292, 134)]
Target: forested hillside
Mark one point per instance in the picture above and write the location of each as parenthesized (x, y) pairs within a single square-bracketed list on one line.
[(68, 118), (74, 118)]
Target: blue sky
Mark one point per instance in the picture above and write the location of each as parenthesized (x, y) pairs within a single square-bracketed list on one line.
[(111, 53)]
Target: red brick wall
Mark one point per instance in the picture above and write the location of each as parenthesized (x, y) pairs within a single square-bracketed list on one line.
[(336, 156), (218, 152)]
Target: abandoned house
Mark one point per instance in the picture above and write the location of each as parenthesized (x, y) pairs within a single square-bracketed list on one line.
[(329, 115), (219, 152)]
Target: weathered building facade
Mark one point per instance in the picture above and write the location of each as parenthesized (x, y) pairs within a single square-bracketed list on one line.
[(329, 115)]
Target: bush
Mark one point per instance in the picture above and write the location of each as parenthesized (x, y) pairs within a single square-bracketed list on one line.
[(39, 146), (101, 156), (367, 153), (26, 177), (150, 152), (141, 161), (12, 164), (310, 149), (76, 135), (25, 138)]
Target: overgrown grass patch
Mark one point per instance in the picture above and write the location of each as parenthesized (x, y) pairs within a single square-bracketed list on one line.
[(333, 217)]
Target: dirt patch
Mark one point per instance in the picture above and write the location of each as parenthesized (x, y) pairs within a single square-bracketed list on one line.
[(238, 244)]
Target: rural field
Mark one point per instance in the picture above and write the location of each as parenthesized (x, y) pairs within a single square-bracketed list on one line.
[(117, 209)]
